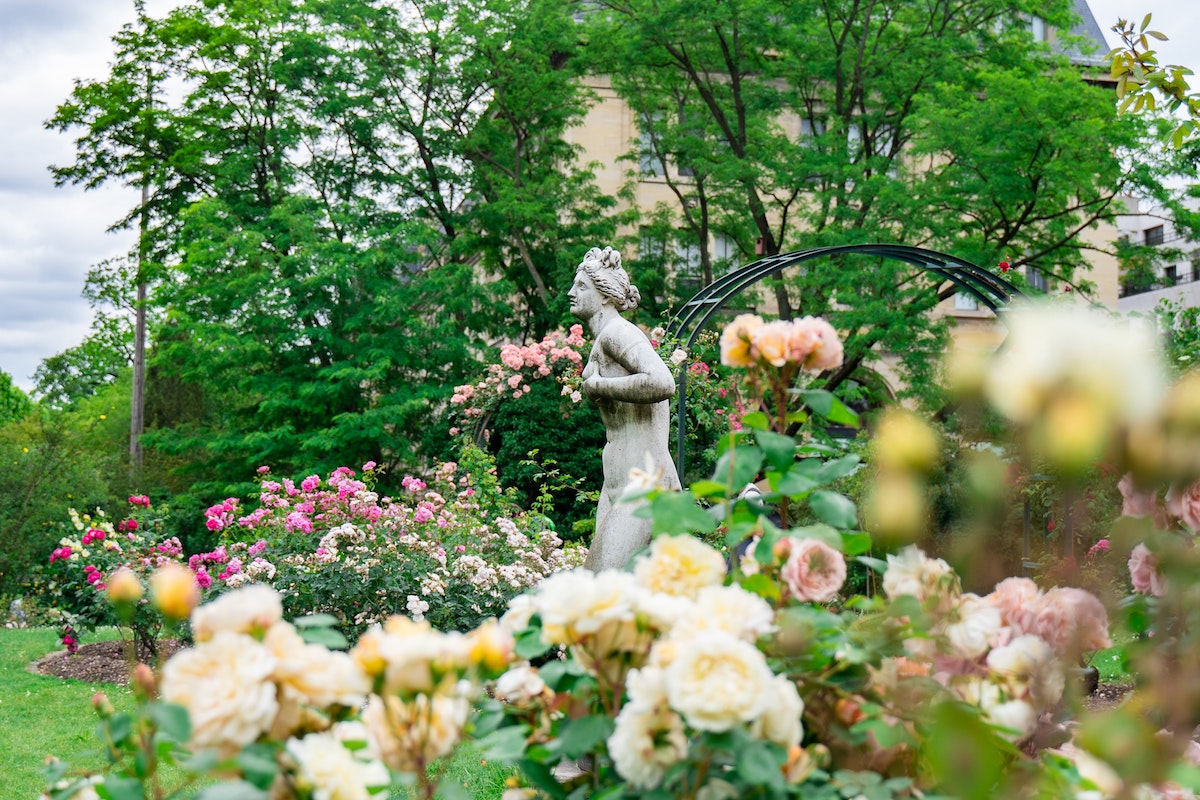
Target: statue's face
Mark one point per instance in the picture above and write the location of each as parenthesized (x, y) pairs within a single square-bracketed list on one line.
[(585, 299)]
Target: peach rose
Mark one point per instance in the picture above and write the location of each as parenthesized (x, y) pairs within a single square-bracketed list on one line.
[(1184, 505), (771, 342), (827, 352), (735, 340), (1133, 502), (814, 571), (1143, 572)]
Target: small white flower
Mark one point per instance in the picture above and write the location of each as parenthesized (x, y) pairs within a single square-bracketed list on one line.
[(678, 356), (416, 607)]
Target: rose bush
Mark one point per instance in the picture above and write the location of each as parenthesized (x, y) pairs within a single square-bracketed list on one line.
[(451, 551)]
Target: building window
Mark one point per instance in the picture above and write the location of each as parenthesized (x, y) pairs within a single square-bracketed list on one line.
[(1036, 279), (652, 245), (726, 253), (1170, 275), (1154, 235), (649, 162), (965, 301), (1037, 29)]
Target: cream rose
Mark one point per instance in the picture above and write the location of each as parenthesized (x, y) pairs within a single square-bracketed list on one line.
[(1028, 668), (717, 681), (1017, 600), (520, 686), (225, 684), (251, 610), (781, 721), (679, 565), (814, 571), (321, 677), (826, 350), (972, 627), (771, 342), (731, 609), (406, 734), (645, 741), (325, 767)]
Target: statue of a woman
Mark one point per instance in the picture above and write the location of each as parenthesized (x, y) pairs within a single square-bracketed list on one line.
[(631, 386)]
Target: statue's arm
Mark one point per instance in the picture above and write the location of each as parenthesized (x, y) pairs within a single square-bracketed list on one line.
[(649, 379)]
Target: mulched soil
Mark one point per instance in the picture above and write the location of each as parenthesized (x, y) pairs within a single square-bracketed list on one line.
[(97, 662)]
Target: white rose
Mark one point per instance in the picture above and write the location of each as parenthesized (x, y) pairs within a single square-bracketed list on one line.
[(678, 356), (974, 625), (1028, 667), (1016, 716), (780, 722), (331, 772), (251, 609), (645, 741), (646, 687), (680, 565), (520, 685), (717, 681), (730, 609), (225, 684), (321, 677), (911, 572), (577, 604)]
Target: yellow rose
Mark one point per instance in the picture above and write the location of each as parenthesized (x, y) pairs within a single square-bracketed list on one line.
[(174, 590), (124, 587)]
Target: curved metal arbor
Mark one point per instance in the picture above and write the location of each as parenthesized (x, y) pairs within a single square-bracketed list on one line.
[(993, 292)]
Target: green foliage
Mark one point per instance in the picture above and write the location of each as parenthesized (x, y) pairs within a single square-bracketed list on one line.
[(14, 403), (1142, 81)]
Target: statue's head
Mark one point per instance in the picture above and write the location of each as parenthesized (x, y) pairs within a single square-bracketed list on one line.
[(611, 281)]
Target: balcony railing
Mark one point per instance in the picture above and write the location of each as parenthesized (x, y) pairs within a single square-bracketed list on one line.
[(1166, 283)]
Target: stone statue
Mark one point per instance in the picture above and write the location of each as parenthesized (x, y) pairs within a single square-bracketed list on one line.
[(631, 386)]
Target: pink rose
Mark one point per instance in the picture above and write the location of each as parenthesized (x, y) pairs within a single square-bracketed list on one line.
[(1018, 601), (1136, 503), (826, 352), (814, 571), (1184, 505), (1143, 572), (1072, 620)]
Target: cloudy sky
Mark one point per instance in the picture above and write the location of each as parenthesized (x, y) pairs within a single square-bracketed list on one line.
[(49, 236)]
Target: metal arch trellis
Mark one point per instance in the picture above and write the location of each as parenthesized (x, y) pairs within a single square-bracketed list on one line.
[(990, 290)]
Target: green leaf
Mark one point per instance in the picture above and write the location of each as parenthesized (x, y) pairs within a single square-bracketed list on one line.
[(757, 420), (326, 637), (506, 745), (707, 488), (829, 407), (584, 734), (677, 512), (561, 675), (171, 719), (779, 450), (237, 790), (821, 532), (542, 777), (877, 564), (836, 509), (762, 586), (738, 466), (529, 643), (258, 765), (116, 787), (837, 468), (855, 542), (792, 483), (317, 620), (452, 790), (760, 763)]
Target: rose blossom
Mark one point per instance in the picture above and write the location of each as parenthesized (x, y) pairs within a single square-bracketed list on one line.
[(680, 565), (1133, 502), (780, 723), (225, 684), (717, 681), (1028, 667), (321, 677), (408, 734), (771, 342), (1184, 505), (974, 625), (1018, 601), (1143, 572), (520, 686), (730, 609), (825, 352), (330, 769), (735, 340), (814, 571), (252, 609), (1072, 620), (646, 740)]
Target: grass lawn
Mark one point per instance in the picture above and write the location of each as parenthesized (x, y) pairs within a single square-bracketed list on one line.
[(41, 716)]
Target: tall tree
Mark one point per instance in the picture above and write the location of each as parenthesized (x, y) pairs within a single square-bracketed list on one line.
[(833, 122)]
